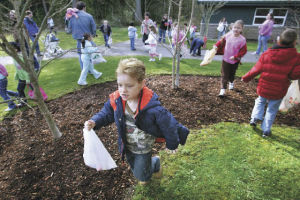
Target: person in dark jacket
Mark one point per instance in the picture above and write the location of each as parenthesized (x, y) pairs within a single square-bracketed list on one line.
[(163, 28), (140, 119), (277, 66), (32, 29), (106, 31), (196, 45)]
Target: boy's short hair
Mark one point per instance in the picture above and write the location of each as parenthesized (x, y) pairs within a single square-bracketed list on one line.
[(288, 37), (80, 5), (132, 67), (131, 24), (147, 14)]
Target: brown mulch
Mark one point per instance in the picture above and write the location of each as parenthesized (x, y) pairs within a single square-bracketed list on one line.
[(34, 166)]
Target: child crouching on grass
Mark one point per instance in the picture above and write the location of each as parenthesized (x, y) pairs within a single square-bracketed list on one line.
[(140, 119), (277, 66)]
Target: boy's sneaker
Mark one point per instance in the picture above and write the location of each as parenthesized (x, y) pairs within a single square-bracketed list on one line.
[(82, 83), (159, 173), (98, 76), (231, 86), (222, 93), (266, 133), (8, 109), (253, 122), (159, 56), (254, 53), (143, 182)]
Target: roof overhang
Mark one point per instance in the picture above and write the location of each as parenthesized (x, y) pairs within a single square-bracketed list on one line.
[(277, 3)]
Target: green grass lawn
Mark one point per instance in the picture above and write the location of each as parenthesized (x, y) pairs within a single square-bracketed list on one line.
[(230, 161)]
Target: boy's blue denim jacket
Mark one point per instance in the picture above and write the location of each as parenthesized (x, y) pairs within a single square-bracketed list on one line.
[(151, 117)]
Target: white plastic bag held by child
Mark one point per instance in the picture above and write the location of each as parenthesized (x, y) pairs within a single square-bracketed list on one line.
[(109, 42), (98, 58), (208, 57), (95, 154), (291, 98)]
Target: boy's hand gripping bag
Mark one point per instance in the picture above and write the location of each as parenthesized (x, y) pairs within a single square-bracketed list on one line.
[(95, 154), (208, 57), (291, 98)]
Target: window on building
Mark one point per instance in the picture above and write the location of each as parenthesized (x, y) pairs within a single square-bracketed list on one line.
[(280, 15)]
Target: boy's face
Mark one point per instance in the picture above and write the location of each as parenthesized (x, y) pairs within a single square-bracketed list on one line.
[(129, 88)]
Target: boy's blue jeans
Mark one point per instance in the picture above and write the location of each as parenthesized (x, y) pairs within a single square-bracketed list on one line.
[(79, 52), (262, 42), (143, 165), (4, 93), (162, 35), (105, 36), (132, 43), (259, 109)]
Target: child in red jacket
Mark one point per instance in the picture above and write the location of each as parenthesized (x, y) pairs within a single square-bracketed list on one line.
[(277, 66)]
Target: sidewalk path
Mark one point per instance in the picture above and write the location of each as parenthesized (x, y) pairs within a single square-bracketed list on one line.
[(123, 49)]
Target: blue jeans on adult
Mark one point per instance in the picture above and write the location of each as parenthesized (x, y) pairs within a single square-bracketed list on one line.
[(37, 47), (262, 42), (162, 35), (106, 37), (220, 34), (259, 109), (132, 43), (5, 94), (143, 165), (79, 52)]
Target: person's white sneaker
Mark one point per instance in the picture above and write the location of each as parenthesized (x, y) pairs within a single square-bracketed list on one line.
[(254, 53), (222, 93), (82, 83), (231, 86), (152, 59), (159, 56), (8, 109), (99, 75)]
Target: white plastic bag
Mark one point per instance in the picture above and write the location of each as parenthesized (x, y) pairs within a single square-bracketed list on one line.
[(208, 57), (109, 42), (97, 58), (136, 35), (95, 155), (291, 98)]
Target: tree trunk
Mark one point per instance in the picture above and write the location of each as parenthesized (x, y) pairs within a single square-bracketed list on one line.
[(138, 10), (74, 3), (45, 6), (177, 70), (173, 69), (43, 107)]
